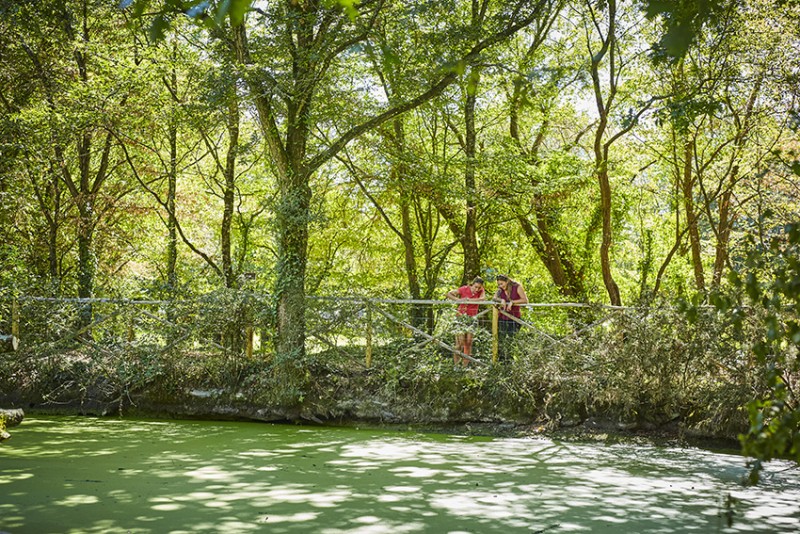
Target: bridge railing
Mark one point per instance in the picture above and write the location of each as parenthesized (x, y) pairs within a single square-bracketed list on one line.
[(49, 326), (241, 323), (411, 326)]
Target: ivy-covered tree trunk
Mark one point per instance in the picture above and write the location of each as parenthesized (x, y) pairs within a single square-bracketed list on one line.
[(292, 211), (292, 219), (87, 263), (84, 196)]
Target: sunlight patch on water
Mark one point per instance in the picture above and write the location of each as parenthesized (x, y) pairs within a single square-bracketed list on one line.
[(9, 477), (402, 489), (292, 518), (211, 473), (478, 504), (367, 519), (167, 507), (77, 500), (416, 472)]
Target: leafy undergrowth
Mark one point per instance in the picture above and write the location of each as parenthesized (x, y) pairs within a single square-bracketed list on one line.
[(656, 377)]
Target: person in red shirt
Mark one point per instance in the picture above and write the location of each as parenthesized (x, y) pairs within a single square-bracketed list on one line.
[(466, 316)]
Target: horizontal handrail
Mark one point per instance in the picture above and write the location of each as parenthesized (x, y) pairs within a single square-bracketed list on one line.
[(434, 302), (91, 300), (470, 301)]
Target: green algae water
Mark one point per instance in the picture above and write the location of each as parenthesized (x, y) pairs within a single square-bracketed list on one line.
[(72, 474)]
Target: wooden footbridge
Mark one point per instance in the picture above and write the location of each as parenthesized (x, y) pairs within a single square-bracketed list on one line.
[(241, 323)]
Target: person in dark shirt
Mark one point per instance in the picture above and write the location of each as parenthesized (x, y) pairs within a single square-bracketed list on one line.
[(510, 294)]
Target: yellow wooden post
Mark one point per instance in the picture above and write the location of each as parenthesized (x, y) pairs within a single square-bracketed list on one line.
[(15, 318), (248, 334), (369, 336), (495, 336)]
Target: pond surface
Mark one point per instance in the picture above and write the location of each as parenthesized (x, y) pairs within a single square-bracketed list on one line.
[(72, 474)]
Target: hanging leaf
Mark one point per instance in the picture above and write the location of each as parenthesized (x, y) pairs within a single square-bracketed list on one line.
[(237, 10), (158, 28), (350, 8)]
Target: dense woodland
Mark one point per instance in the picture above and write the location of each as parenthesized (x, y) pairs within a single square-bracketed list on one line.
[(598, 151)]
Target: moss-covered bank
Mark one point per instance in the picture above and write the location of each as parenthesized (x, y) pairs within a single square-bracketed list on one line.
[(422, 390)]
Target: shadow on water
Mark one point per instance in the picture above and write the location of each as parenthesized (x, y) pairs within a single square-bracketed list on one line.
[(101, 475)]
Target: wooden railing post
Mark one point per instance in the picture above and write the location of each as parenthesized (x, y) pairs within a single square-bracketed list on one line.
[(495, 334), (369, 336)]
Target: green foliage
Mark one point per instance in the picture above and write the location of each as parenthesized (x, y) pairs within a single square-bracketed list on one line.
[(639, 369), (206, 12), (769, 281), (683, 21)]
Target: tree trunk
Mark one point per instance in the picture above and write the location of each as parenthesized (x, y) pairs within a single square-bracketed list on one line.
[(172, 189), (399, 177), (86, 262), (472, 262), (601, 149), (605, 245), (292, 211), (53, 223), (561, 270), (49, 200), (723, 232), (417, 313), (86, 257), (687, 183), (230, 189), (726, 217), (52, 260), (292, 220)]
